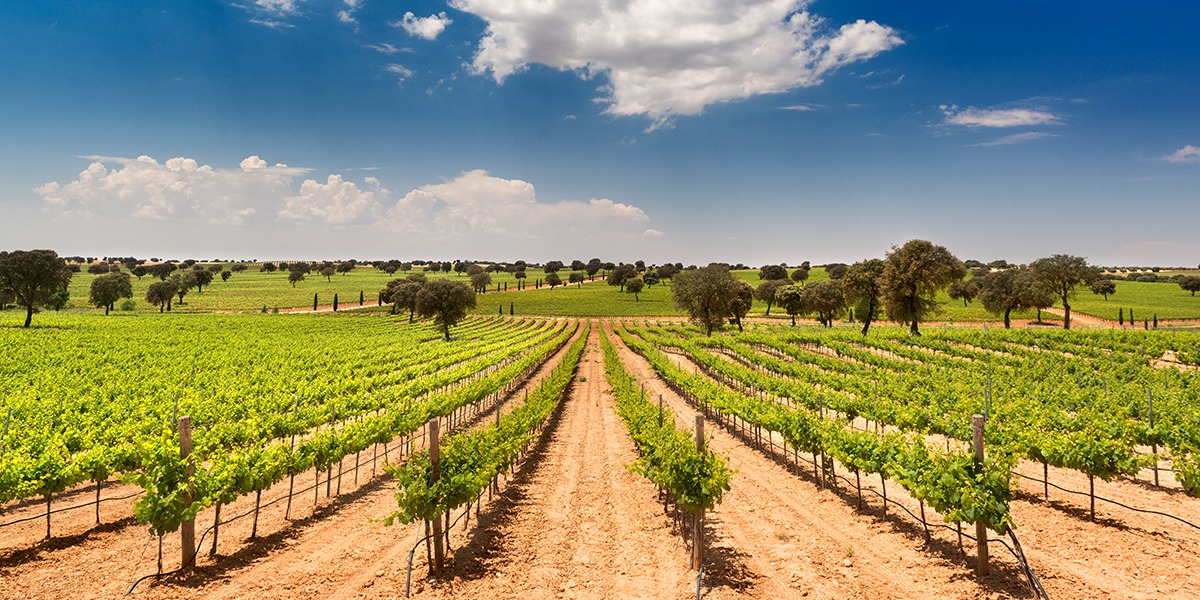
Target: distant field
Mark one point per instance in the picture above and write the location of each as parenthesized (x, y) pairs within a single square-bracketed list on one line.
[(1167, 300)]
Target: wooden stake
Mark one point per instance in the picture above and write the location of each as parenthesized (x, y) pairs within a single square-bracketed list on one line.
[(216, 530), (187, 530), (981, 549), (698, 517), (435, 472)]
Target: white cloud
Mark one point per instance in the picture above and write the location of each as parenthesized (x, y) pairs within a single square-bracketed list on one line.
[(400, 71), (424, 27), (477, 204), (179, 188), (798, 107), (1016, 138), (387, 48), (672, 57), (1186, 154), (278, 7), (336, 201), (652, 233), (998, 117), (471, 210)]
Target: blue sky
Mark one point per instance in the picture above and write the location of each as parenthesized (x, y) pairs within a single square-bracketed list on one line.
[(739, 130)]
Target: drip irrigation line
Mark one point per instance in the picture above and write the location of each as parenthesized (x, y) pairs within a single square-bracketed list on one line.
[(42, 515), (1110, 501)]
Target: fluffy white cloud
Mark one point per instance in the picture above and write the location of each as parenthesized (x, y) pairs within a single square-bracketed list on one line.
[(476, 203), (335, 201), (998, 117), (473, 208), (1186, 154), (278, 7), (179, 188), (424, 27), (672, 57), (1016, 138)]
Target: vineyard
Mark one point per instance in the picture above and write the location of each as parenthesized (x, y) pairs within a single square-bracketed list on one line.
[(827, 457)]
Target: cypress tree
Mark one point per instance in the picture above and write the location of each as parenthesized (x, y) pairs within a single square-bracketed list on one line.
[(1156, 320), (335, 303), (360, 298), (314, 302), (1121, 317)]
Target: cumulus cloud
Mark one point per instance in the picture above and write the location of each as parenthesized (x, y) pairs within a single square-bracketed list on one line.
[(476, 203), (424, 27), (1186, 154), (998, 117), (336, 201), (474, 207), (672, 57), (179, 188), (1016, 138), (278, 7)]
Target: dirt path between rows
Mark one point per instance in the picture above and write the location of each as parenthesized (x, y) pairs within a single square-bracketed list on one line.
[(574, 523)]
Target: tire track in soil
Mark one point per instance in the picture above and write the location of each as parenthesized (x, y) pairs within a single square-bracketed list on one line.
[(573, 523), (805, 542)]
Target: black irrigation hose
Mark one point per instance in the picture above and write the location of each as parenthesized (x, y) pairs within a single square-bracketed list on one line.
[(42, 515), (1140, 510)]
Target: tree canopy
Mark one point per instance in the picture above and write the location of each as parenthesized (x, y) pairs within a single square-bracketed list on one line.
[(862, 288), (107, 289), (912, 276), (32, 277), (447, 302), (1060, 274), (706, 294), (825, 299)]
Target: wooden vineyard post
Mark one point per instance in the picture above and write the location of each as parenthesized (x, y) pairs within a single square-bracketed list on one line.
[(1153, 447), (187, 529), (981, 549), (434, 472), (698, 518)]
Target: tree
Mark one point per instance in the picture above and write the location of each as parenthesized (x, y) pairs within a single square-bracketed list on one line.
[(576, 277), (184, 282), (593, 267), (965, 290), (743, 300), (404, 296), (1104, 287), (578, 265), (1060, 275), (473, 270), (651, 278), (912, 275), (1004, 291), (773, 272), (553, 280), (520, 277), (268, 267), (225, 275), (327, 273), (619, 275), (107, 289), (765, 291), (161, 270), (789, 299), (31, 277), (238, 268), (446, 301), (552, 266), (203, 278), (667, 271), (800, 275), (707, 295), (1190, 283), (59, 299), (160, 293), (138, 271), (634, 286), (862, 288), (295, 276), (825, 299), (480, 281), (346, 267), (836, 270)]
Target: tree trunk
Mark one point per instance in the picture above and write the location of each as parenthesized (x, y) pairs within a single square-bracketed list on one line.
[(793, 320), (1066, 315), (1007, 321), (913, 329), (446, 330), (28, 315), (106, 309)]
